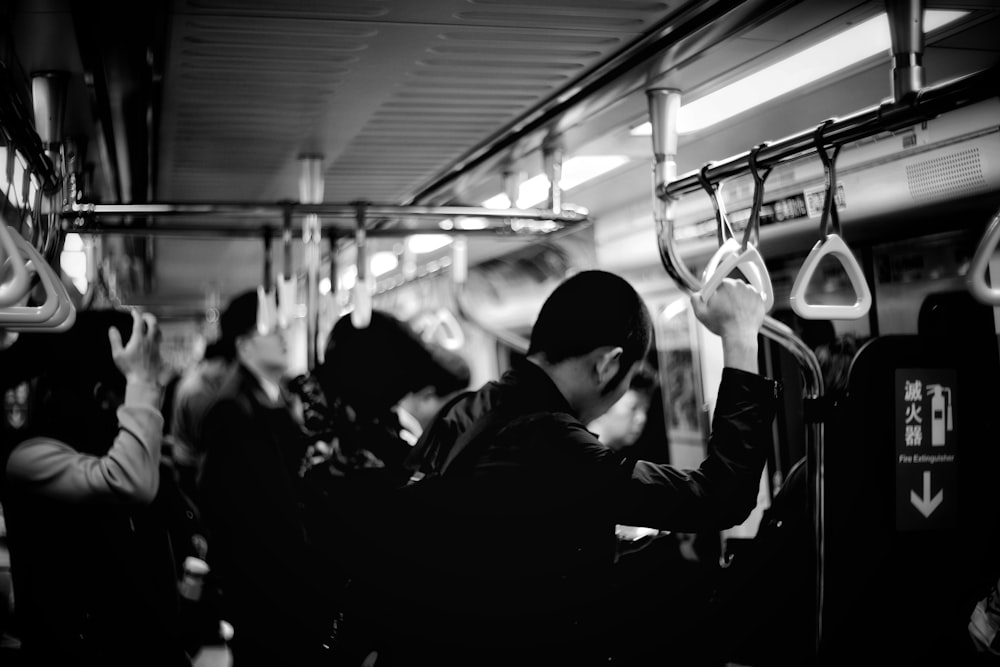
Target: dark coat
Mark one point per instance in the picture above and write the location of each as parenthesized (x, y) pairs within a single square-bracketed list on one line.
[(512, 558), (270, 578)]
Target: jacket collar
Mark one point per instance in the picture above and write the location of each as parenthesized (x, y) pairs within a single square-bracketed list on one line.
[(532, 386)]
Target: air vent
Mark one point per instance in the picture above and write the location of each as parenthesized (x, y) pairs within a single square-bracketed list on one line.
[(947, 176)]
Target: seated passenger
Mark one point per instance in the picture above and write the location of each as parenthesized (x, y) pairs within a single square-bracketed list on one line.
[(91, 563), (505, 555)]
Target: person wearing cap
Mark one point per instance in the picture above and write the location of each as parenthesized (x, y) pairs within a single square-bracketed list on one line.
[(249, 489), (81, 487)]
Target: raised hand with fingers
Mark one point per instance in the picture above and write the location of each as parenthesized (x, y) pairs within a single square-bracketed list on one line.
[(734, 312), (139, 359)]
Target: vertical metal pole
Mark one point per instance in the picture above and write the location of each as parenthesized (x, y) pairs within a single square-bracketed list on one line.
[(311, 192), (268, 278), (362, 314), (906, 28), (552, 157), (286, 245), (664, 105)]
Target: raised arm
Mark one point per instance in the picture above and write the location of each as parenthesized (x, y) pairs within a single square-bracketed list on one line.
[(129, 472), (723, 490)]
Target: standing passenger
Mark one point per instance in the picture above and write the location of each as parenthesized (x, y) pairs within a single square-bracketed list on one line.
[(506, 556), (91, 562), (249, 488)]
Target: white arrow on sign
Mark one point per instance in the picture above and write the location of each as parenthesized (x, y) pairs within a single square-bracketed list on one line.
[(926, 505)]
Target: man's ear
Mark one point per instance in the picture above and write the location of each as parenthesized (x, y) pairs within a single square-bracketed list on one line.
[(607, 363)]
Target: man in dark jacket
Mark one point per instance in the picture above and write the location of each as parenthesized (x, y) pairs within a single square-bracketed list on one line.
[(267, 570), (510, 545)]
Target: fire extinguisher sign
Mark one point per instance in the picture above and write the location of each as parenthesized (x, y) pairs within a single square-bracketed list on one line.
[(926, 448)]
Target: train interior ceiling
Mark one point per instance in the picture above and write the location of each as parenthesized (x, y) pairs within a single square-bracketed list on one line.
[(447, 103)]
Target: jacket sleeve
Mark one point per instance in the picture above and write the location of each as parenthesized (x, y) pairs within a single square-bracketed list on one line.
[(723, 490), (129, 472)]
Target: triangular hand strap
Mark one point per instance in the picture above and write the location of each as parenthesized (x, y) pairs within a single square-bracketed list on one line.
[(976, 277), (57, 309), (14, 289), (834, 245), (749, 262)]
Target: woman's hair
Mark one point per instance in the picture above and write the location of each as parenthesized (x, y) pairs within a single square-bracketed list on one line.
[(76, 388)]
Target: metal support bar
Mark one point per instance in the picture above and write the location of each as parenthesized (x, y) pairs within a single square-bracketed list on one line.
[(925, 105), (552, 157), (286, 244), (268, 281), (330, 231), (248, 209), (906, 29)]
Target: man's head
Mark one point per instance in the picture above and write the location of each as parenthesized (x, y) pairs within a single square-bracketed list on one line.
[(373, 368), (450, 373), (622, 425), (265, 353), (590, 336)]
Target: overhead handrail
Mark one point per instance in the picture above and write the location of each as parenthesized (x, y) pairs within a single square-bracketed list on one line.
[(723, 230), (975, 278), (742, 256), (831, 242), (56, 313), (14, 289)]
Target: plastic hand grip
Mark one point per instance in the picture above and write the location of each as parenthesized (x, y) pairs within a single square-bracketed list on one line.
[(833, 245), (286, 300), (361, 297), (12, 290), (267, 311), (12, 316), (976, 276), (729, 257)]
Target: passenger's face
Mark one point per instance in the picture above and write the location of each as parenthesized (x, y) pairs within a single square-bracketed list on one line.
[(622, 424), (267, 351)]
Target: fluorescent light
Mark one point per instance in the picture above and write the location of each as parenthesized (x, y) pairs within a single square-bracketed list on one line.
[(420, 244), (575, 171), (383, 262), (473, 223), (828, 57)]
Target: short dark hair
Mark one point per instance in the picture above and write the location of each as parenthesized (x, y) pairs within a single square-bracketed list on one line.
[(589, 310), (239, 317), (373, 368)]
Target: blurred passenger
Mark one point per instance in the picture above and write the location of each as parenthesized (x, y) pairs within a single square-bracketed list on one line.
[(91, 561), (417, 409), (623, 423), (369, 381), (271, 580), (504, 555), (352, 407), (196, 391)]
